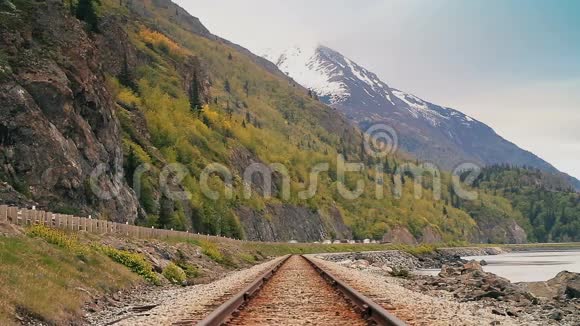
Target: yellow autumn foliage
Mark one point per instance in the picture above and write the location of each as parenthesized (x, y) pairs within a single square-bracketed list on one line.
[(161, 41)]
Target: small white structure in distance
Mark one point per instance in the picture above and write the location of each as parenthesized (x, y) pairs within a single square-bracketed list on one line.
[(367, 241), (327, 242)]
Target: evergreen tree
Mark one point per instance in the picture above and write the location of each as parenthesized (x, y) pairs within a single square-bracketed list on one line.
[(194, 98), (247, 88), (125, 77), (227, 86), (165, 213), (85, 11), (131, 165)]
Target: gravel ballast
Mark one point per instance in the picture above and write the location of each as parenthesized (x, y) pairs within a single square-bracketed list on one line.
[(176, 304), (413, 307)]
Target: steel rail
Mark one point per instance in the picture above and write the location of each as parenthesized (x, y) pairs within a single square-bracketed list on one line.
[(225, 311), (371, 310)]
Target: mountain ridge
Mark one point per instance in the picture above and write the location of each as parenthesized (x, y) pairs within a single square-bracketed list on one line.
[(428, 131)]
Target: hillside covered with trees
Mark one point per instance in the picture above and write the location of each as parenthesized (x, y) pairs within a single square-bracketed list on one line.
[(550, 205), (145, 79)]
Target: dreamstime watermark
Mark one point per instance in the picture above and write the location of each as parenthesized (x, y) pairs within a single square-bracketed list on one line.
[(381, 142)]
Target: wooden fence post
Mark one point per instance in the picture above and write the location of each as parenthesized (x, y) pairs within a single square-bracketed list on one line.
[(77, 223), (3, 213), (41, 217), (23, 217), (11, 215), (48, 219), (31, 217)]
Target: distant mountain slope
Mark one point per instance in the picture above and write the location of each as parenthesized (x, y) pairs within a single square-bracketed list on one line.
[(426, 130)]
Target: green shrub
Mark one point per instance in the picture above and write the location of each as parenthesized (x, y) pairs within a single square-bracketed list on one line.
[(174, 274), (211, 250), (421, 249), (135, 262), (59, 238), (248, 258)]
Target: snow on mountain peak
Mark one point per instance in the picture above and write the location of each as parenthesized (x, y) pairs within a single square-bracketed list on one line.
[(431, 132), (305, 66), (339, 80)]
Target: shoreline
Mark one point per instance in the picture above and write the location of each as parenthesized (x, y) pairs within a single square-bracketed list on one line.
[(552, 302)]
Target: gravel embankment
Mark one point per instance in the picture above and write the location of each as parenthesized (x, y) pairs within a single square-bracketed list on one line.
[(394, 258), (176, 304), (413, 307)]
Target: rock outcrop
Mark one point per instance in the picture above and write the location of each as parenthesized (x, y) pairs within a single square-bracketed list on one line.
[(430, 235), (500, 231), (478, 285), (564, 285), (288, 222), (400, 235), (57, 121)]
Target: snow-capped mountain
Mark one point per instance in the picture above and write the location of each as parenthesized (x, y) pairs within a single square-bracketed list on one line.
[(426, 130), (360, 93)]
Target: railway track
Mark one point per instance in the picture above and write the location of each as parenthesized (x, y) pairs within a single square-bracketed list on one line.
[(298, 292)]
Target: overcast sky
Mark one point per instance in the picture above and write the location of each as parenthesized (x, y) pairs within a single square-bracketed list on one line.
[(513, 64)]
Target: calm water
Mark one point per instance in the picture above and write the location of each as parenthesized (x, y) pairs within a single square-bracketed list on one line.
[(529, 266)]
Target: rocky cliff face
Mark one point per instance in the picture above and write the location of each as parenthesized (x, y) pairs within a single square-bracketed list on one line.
[(57, 120), (287, 222), (494, 231)]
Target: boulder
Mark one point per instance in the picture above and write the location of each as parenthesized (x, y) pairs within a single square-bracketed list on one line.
[(567, 284), (400, 235), (472, 266), (449, 271)]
